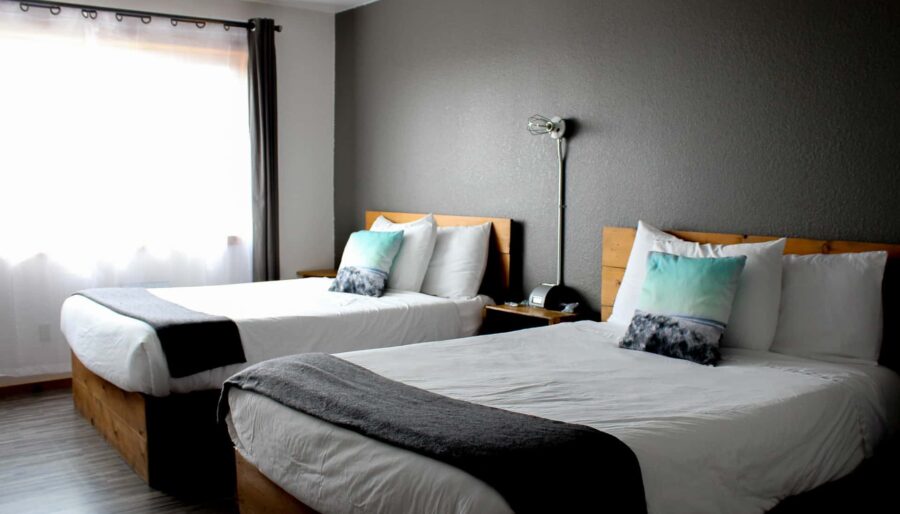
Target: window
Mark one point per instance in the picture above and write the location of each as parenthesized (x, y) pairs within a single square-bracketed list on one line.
[(124, 160)]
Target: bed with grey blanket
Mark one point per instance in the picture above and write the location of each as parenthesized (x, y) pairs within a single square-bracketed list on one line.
[(536, 464), (191, 341)]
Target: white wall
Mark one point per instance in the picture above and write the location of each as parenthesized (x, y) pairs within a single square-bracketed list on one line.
[(305, 52)]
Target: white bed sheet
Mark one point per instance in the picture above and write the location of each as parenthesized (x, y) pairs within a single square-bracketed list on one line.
[(274, 319), (734, 438)]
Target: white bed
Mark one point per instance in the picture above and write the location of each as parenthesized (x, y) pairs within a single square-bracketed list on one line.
[(274, 319), (734, 438)]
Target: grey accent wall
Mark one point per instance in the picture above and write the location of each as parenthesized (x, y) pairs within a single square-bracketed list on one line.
[(765, 117)]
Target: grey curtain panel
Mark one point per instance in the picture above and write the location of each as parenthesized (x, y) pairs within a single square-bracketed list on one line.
[(264, 145)]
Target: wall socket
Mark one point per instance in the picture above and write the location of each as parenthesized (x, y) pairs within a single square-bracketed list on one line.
[(44, 333)]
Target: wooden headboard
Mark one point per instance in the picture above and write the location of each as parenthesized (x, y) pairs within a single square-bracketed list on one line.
[(617, 242), (497, 275)]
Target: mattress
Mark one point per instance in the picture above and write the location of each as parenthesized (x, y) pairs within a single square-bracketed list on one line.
[(736, 438), (274, 319)]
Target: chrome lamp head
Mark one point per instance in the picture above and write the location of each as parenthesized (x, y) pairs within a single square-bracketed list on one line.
[(539, 125)]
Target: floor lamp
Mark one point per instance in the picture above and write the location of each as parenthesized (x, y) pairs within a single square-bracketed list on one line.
[(554, 296)]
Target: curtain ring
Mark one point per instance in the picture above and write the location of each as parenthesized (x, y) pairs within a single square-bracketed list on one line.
[(200, 24), (146, 20), (119, 16), (174, 22), (25, 7), (89, 13), (55, 9)]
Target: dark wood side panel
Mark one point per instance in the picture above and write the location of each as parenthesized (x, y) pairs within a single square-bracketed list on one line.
[(190, 452)]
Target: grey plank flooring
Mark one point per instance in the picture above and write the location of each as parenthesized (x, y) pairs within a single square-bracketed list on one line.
[(52, 460)]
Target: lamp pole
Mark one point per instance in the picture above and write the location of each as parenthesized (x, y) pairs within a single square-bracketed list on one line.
[(561, 207)]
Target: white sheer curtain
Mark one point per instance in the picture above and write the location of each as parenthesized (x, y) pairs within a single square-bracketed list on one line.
[(124, 161)]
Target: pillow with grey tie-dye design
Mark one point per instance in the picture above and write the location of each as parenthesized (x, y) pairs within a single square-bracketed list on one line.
[(366, 263), (684, 306)]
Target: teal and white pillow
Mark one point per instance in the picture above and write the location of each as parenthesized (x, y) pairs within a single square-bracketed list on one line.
[(684, 306), (366, 263)]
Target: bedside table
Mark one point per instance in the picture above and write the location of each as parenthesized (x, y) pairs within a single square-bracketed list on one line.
[(326, 273), (504, 318)]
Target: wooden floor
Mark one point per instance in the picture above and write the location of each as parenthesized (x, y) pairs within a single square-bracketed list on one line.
[(52, 460)]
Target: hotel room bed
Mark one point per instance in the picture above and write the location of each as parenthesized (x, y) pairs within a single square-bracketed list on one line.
[(740, 437), (164, 424), (734, 438), (270, 317)]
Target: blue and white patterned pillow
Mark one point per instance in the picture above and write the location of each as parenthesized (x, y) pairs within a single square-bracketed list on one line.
[(684, 306), (367, 261)]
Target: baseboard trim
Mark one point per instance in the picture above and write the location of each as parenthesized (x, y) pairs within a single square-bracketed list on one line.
[(35, 387)]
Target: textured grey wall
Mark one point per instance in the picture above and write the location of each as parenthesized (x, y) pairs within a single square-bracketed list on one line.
[(765, 117)]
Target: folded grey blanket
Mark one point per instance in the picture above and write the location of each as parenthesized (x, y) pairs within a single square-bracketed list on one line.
[(191, 341), (536, 464)]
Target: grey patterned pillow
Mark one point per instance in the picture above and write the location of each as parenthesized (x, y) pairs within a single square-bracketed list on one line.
[(669, 336), (367, 262), (684, 306), (369, 282)]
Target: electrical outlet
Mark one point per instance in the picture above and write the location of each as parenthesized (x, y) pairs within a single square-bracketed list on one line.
[(44, 333)]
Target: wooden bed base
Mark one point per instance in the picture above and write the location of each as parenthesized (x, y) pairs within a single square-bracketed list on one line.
[(867, 489), (256, 494), (174, 443)]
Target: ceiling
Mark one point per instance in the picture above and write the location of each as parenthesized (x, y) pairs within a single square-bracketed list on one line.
[(319, 5)]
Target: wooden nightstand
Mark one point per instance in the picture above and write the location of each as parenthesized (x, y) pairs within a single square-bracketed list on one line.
[(505, 318), (326, 273)]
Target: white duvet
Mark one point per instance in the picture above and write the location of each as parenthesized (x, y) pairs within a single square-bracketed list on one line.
[(274, 319), (733, 438)]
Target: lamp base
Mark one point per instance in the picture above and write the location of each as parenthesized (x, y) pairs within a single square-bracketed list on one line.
[(553, 297)]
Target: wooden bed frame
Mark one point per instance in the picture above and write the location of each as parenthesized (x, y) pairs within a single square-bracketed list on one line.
[(175, 443), (617, 243), (258, 494), (497, 275)]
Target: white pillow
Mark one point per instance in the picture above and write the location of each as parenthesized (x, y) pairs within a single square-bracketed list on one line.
[(459, 261), (754, 315), (419, 237), (635, 271), (831, 307)]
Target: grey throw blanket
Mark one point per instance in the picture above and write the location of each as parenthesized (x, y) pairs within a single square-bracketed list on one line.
[(536, 464), (191, 341)]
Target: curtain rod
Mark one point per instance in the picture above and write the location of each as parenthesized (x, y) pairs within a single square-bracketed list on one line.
[(90, 11)]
